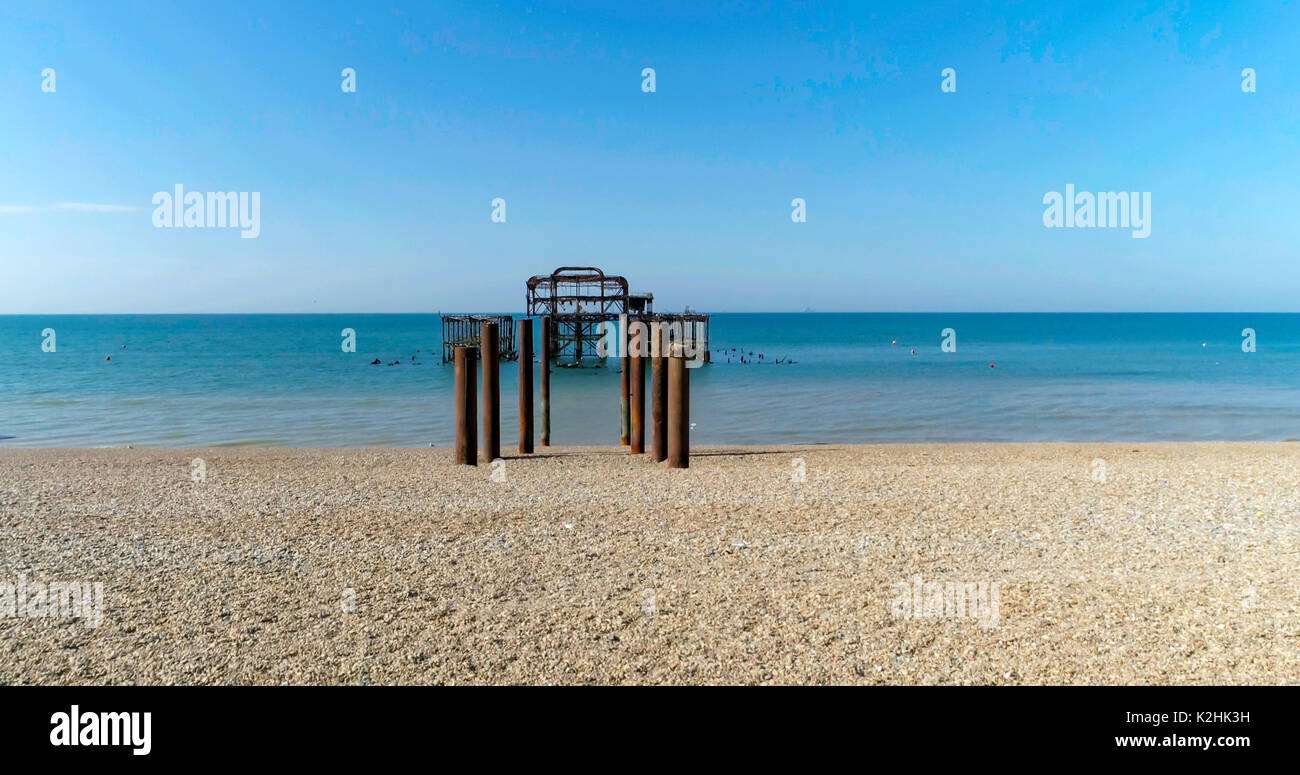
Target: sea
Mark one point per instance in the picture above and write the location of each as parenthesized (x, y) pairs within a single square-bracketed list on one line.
[(254, 380)]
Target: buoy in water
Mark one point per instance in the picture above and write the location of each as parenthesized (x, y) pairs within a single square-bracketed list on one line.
[(990, 365)]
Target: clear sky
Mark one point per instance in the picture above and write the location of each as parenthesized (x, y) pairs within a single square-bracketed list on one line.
[(917, 199)]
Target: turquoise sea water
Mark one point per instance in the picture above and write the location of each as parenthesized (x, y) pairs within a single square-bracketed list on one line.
[(283, 379)]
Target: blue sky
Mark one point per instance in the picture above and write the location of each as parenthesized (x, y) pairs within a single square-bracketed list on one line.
[(917, 200)]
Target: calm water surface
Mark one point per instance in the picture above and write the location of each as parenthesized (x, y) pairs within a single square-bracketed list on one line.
[(283, 379)]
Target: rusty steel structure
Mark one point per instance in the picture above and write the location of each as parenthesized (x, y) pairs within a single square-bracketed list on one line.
[(546, 382), (464, 331), (525, 336), (658, 397), (466, 406), (678, 413), (693, 325), (489, 338), (579, 300), (669, 392)]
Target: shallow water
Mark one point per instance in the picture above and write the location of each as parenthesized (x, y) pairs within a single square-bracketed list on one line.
[(283, 379)]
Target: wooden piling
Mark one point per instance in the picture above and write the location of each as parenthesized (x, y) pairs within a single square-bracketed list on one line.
[(524, 339), (625, 419), (658, 397), (489, 347), (546, 381), (466, 407), (679, 412)]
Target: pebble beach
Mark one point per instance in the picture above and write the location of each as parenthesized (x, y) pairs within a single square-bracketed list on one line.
[(1174, 563)]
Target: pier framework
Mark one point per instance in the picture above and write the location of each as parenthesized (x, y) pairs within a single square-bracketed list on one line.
[(465, 330), (579, 300)]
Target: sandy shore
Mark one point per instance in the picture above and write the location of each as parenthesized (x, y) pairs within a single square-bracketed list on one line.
[(590, 566)]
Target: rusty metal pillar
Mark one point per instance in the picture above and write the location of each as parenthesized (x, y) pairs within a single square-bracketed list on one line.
[(490, 348), (679, 412), (658, 396), (625, 420), (524, 337), (546, 381), (466, 407), (637, 397)]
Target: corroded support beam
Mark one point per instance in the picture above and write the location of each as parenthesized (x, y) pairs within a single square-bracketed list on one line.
[(679, 412), (524, 337), (546, 381), (466, 407), (489, 338), (658, 396), (625, 420)]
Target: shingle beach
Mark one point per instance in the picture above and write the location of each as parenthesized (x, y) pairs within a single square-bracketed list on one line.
[(1095, 563)]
